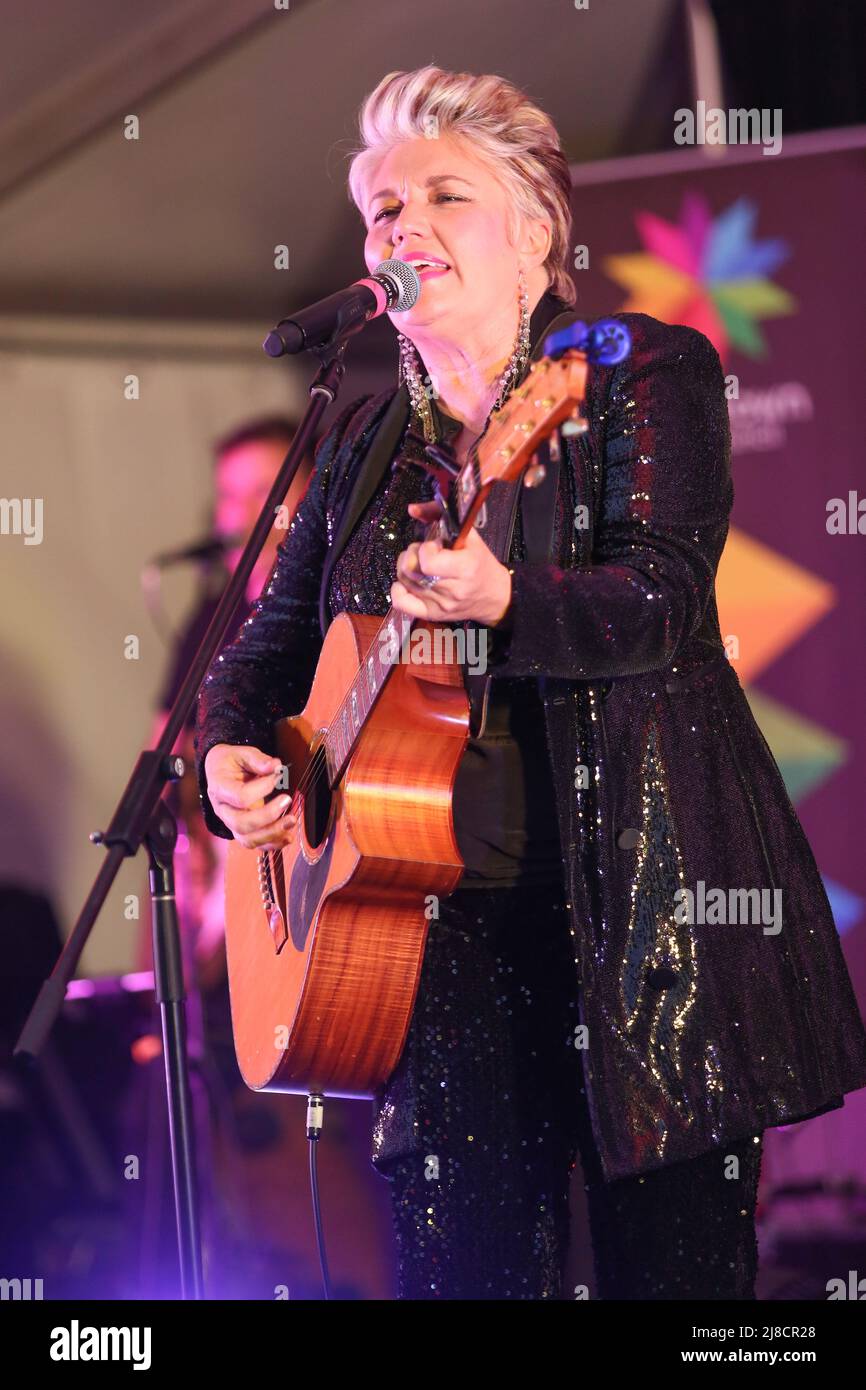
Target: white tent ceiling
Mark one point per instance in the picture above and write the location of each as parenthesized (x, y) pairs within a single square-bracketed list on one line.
[(246, 115)]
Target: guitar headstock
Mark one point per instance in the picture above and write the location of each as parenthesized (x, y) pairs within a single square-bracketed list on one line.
[(552, 392), (550, 396)]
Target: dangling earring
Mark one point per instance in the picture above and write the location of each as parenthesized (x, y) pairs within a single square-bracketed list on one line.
[(516, 364)]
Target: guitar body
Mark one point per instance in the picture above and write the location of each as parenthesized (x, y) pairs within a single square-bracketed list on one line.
[(325, 939)]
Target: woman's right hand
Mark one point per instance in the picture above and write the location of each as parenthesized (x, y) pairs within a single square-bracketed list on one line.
[(238, 780)]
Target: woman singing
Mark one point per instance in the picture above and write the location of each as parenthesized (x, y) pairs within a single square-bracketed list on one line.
[(600, 984)]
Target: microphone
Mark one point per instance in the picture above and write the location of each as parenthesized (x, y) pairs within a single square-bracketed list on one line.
[(393, 287), (207, 549)]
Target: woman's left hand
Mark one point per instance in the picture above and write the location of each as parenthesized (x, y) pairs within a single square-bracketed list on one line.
[(472, 582)]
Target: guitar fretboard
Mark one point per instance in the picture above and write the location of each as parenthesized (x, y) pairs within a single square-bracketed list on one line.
[(383, 654)]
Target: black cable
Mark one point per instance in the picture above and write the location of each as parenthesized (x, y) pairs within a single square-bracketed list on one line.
[(315, 1115)]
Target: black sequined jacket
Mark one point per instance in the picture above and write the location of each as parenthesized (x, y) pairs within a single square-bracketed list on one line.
[(699, 1032)]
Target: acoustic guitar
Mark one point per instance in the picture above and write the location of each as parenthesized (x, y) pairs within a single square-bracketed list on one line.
[(325, 938)]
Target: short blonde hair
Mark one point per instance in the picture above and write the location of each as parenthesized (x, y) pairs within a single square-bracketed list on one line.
[(518, 142)]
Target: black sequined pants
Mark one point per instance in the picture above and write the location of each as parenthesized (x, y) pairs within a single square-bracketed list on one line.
[(490, 1089)]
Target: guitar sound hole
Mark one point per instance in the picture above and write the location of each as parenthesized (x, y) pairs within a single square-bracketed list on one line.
[(317, 810)]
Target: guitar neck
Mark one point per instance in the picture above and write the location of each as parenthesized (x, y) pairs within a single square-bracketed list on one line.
[(384, 651), (345, 728)]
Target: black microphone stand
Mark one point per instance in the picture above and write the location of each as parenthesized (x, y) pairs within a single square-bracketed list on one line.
[(142, 815)]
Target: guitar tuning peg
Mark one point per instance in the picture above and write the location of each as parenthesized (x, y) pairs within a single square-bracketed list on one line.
[(575, 424), (554, 446), (535, 473)]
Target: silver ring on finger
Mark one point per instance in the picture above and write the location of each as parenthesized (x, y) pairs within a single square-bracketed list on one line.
[(429, 581)]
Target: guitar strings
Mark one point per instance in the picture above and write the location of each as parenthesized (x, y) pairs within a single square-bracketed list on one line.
[(432, 533), (318, 762), (319, 759)]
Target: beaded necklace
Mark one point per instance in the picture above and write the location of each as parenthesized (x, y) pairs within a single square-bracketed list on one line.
[(419, 394)]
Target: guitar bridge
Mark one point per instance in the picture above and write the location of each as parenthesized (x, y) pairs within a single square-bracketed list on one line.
[(276, 921)]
